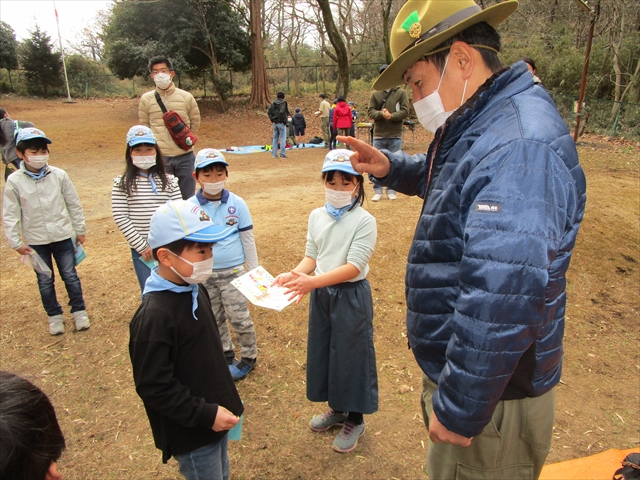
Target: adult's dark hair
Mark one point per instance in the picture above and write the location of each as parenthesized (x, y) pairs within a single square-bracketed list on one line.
[(478, 34), (3, 139), (30, 437), (159, 59), (280, 95), (128, 181), (530, 62), (180, 246), (322, 96), (341, 99), (33, 143), (328, 177)]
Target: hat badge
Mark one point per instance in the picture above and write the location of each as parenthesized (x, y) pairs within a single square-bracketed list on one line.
[(140, 133), (412, 25), (211, 155), (341, 158)]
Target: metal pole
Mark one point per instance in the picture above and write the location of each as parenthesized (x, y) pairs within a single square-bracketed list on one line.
[(64, 66), (585, 70)]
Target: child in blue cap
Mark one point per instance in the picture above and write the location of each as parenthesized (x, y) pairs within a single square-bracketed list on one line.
[(179, 368), (341, 360), (42, 213), (138, 192), (227, 302)]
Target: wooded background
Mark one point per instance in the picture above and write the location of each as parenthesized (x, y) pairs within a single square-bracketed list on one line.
[(253, 47)]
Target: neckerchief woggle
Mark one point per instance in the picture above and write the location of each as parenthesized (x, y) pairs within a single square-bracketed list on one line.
[(156, 283)]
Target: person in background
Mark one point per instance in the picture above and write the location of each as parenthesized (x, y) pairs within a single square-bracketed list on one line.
[(332, 126), (503, 199), (531, 65), (342, 119), (299, 126), (8, 131), (388, 110), (42, 213), (31, 440), (354, 117), (323, 111), (178, 162), (138, 192), (278, 114)]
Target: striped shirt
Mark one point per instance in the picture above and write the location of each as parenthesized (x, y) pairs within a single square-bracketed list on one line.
[(132, 214)]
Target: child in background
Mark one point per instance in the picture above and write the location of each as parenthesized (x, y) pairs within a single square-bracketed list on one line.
[(299, 125), (8, 130), (227, 303), (333, 132), (342, 118), (354, 117), (178, 363), (42, 213), (341, 362), (138, 192)]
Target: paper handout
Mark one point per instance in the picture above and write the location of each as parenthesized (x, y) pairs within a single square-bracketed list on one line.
[(255, 286)]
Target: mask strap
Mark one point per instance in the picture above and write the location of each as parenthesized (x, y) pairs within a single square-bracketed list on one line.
[(464, 91), (443, 70)]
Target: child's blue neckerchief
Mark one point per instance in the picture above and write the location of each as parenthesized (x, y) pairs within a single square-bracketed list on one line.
[(338, 212), (156, 283), (151, 181), (36, 176)]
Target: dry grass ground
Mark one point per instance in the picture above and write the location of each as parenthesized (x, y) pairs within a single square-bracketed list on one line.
[(88, 374)]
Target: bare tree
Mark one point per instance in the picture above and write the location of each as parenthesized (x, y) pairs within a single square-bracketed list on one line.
[(341, 57)]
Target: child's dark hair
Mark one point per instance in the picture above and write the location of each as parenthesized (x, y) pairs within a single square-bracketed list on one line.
[(359, 179), (32, 144), (211, 167), (180, 246), (128, 180), (153, 61)]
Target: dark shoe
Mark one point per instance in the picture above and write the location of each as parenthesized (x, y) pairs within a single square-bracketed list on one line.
[(283, 156), (240, 370)]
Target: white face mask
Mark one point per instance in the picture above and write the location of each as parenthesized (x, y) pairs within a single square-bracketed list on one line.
[(336, 198), (213, 188), (38, 161), (143, 162), (201, 270), (430, 110), (162, 80)]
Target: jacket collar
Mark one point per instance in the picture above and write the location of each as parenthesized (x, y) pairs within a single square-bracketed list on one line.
[(168, 91), (224, 198)]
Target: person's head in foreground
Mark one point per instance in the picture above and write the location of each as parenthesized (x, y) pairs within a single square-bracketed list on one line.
[(444, 51), (32, 146), (344, 187), (181, 236), (31, 441)]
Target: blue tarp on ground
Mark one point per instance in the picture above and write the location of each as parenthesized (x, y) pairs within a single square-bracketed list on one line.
[(261, 148)]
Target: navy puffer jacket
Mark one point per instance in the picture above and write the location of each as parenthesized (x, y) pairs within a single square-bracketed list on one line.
[(485, 280)]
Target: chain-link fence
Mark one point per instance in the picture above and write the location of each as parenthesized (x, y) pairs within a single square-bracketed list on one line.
[(605, 117)]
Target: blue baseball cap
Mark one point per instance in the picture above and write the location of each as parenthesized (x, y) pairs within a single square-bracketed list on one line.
[(339, 159), (207, 156), (30, 133), (140, 134), (182, 220)]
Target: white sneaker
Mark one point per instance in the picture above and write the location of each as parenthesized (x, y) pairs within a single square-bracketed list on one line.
[(376, 197), (81, 319), (56, 325), (392, 196)]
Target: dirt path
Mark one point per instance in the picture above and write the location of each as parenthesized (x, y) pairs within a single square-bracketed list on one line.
[(88, 375)]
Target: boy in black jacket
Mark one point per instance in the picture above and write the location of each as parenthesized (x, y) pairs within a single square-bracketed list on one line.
[(179, 367)]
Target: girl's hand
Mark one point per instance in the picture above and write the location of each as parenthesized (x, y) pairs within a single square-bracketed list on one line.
[(281, 279), (24, 250), (225, 420), (147, 254), (299, 285)]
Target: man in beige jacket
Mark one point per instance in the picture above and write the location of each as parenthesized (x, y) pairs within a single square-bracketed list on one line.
[(178, 162)]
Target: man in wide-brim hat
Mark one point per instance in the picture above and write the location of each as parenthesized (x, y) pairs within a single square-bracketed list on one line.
[(504, 196)]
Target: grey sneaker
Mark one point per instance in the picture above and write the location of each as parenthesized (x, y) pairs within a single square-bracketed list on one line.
[(82, 320), (348, 437), (322, 423), (56, 325)]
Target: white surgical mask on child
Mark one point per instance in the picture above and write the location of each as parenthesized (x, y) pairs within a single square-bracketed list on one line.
[(162, 80), (37, 161), (336, 198), (201, 270), (430, 110), (143, 162), (213, 188)]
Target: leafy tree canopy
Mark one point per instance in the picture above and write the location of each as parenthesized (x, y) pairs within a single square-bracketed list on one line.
[(8, 47), (43, 66)]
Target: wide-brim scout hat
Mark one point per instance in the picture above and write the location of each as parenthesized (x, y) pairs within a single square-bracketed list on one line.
[(183, 220), (421, 25), (340, 160)]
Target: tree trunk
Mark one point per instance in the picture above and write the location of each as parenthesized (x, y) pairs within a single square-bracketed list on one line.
[(386, 11), (260, 82), (342, 82)]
